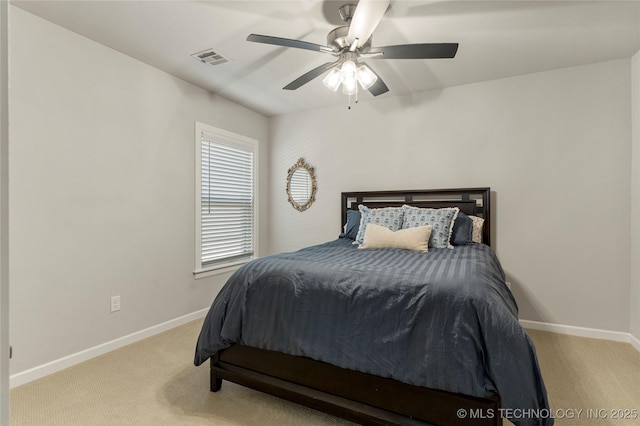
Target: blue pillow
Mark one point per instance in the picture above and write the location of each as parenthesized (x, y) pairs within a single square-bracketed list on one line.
[(462, 230), (353, 224)]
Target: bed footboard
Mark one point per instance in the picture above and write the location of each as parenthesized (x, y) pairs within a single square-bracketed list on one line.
[(355, 396)]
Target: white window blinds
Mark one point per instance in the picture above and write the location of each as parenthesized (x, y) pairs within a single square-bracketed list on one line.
[(227, 201)]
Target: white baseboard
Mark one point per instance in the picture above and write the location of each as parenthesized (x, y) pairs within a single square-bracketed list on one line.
[(73, 359), (594, 333)]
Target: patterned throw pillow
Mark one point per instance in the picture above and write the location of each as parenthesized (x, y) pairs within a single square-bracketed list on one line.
[(440, 219), (389, 217), (476, 233)]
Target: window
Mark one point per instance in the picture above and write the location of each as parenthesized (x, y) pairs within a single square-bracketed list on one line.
[(226, 199)]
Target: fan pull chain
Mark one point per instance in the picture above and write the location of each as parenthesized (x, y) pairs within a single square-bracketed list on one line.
[(356, 92), (349, 106)]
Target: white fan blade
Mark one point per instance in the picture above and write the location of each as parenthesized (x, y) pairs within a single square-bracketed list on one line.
[(365, 19)]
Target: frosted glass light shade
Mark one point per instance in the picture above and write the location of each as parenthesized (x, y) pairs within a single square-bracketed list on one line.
[(349, 89), (348, 72), (333, 79), (366, 77)]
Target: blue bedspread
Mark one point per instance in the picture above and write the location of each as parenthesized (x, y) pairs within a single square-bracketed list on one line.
[(443, 319)]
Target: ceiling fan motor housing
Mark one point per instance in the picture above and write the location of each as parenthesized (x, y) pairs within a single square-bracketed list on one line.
[(338, 39)]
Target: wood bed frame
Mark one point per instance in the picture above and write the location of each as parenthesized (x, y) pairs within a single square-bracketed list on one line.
[(360, 397)]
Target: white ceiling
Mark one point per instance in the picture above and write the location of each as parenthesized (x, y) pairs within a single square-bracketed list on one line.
[(497, 39)]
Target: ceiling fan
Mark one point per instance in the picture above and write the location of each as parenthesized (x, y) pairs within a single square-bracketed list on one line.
[(353, 41)]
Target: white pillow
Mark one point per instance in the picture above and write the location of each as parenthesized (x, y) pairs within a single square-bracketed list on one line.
[(415, 239), (476, 233)]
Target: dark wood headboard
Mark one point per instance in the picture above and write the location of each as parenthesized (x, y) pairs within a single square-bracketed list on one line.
[(470, 201)]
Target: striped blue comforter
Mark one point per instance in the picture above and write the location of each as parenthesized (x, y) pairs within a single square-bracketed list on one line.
[(443, 319)]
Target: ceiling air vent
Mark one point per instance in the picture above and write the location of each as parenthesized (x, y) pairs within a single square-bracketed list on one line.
[(210, 57)]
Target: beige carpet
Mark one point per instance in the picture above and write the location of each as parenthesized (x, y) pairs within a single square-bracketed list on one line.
[(600, 377), (153, 382)]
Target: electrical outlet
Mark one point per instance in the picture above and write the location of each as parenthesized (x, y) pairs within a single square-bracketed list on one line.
[(115, 303)]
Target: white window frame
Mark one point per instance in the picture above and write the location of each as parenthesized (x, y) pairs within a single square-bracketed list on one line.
[(235, 140)]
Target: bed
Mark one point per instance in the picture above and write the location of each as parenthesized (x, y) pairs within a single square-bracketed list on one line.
[(382, 336)]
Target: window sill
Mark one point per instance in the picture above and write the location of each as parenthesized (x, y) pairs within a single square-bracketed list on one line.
[(217, 270)]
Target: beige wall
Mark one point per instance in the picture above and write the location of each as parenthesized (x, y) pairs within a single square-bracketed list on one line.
[(102, 191), (635, 198), (4, 209), (553, 146)]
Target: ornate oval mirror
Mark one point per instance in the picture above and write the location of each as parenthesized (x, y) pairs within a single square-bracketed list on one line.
[(301, 185)]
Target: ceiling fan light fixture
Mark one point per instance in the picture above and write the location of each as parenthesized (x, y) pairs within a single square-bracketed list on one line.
[(352, 41), (366, 76), (333, 80), (348, 75)]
